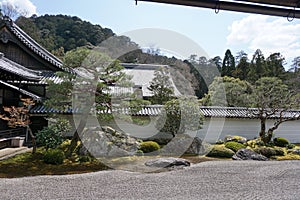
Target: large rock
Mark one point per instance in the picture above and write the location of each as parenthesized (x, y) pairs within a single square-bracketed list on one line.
[(184, 144), (107, 142), (248, 154), (167, 162)]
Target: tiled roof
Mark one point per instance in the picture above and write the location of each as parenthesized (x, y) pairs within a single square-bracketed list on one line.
[(50, 76), (154, 110), (35, 97), (32, 44), (41, 109), (142, 75), (19, 70), (45, 77), (228, 112)]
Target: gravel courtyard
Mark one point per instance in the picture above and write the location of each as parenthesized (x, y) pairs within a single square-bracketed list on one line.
[(208, 180)]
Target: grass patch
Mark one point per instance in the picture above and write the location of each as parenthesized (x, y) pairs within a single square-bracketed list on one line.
[(289, 156), (28, 164)]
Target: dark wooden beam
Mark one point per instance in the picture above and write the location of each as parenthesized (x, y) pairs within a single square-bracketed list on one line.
[(290, 13)]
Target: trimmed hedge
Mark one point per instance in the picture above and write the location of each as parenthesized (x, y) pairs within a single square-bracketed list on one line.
[(149, 146), (220, 151), (234, 146), (280, 142)]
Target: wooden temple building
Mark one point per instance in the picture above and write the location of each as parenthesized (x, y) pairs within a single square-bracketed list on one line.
[(25, 67)]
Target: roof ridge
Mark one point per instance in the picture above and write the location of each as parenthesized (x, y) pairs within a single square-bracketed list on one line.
[(23, 36), (28, 41)]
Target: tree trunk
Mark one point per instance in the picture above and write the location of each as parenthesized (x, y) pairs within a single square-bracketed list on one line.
[(33, 140), (76, 136), (262, 132)]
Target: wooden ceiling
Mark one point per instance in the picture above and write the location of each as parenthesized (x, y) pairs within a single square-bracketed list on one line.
[(284, 8)]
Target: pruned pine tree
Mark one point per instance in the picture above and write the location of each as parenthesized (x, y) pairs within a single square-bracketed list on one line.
[(95, 71)]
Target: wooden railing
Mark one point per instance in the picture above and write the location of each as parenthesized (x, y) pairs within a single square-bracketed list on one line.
[(12, 133)]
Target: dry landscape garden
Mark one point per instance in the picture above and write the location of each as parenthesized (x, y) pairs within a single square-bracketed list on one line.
[(69, 87)]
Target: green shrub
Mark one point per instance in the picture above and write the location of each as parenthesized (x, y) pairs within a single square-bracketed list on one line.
[(269, 151), (221, 152), (290, 146), (52, 136), (139, 153), (234, 146), (54, 156), (85, 159), (149, 146), (279, 151), (281, 142)]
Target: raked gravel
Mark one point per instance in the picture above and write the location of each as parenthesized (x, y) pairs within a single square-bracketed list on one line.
[(208, 180)]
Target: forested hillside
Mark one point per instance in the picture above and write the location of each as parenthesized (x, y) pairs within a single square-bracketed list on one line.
[(56, 31)]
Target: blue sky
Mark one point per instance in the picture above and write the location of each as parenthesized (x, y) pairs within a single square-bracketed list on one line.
[(213, 32)]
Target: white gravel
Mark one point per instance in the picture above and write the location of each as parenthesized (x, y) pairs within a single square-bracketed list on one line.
[(209, 180)]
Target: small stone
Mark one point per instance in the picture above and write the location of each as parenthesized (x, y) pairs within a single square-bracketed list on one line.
[(238, 139)]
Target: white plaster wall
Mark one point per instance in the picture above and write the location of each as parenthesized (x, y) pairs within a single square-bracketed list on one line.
[(217, 128)]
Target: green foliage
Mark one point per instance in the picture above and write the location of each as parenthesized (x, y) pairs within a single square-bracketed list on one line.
[(134, 105), (220, 151), (180, 115), (257, 67), (149, 146), (279, 151), (105, 117), (280, 142), (242, 68), (139, 153), (54, 156), (290, 146), (235, 146), (85, 159), (228, 91), (55, 31), (228, 66), (52, 136), (161, 87)]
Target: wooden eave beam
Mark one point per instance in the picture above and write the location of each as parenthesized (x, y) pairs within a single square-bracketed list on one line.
[(291, 12)]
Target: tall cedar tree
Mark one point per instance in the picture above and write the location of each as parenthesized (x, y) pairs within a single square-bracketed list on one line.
[(228, 66)]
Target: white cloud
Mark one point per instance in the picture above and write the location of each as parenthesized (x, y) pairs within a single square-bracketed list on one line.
[(24, 6), (266, 33)]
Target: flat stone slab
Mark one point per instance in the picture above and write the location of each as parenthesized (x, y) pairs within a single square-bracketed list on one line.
[(168, 162)]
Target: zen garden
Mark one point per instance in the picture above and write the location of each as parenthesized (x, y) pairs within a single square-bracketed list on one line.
[(80, 104)]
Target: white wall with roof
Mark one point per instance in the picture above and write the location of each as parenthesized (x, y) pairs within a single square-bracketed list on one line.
[(217, 128)]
